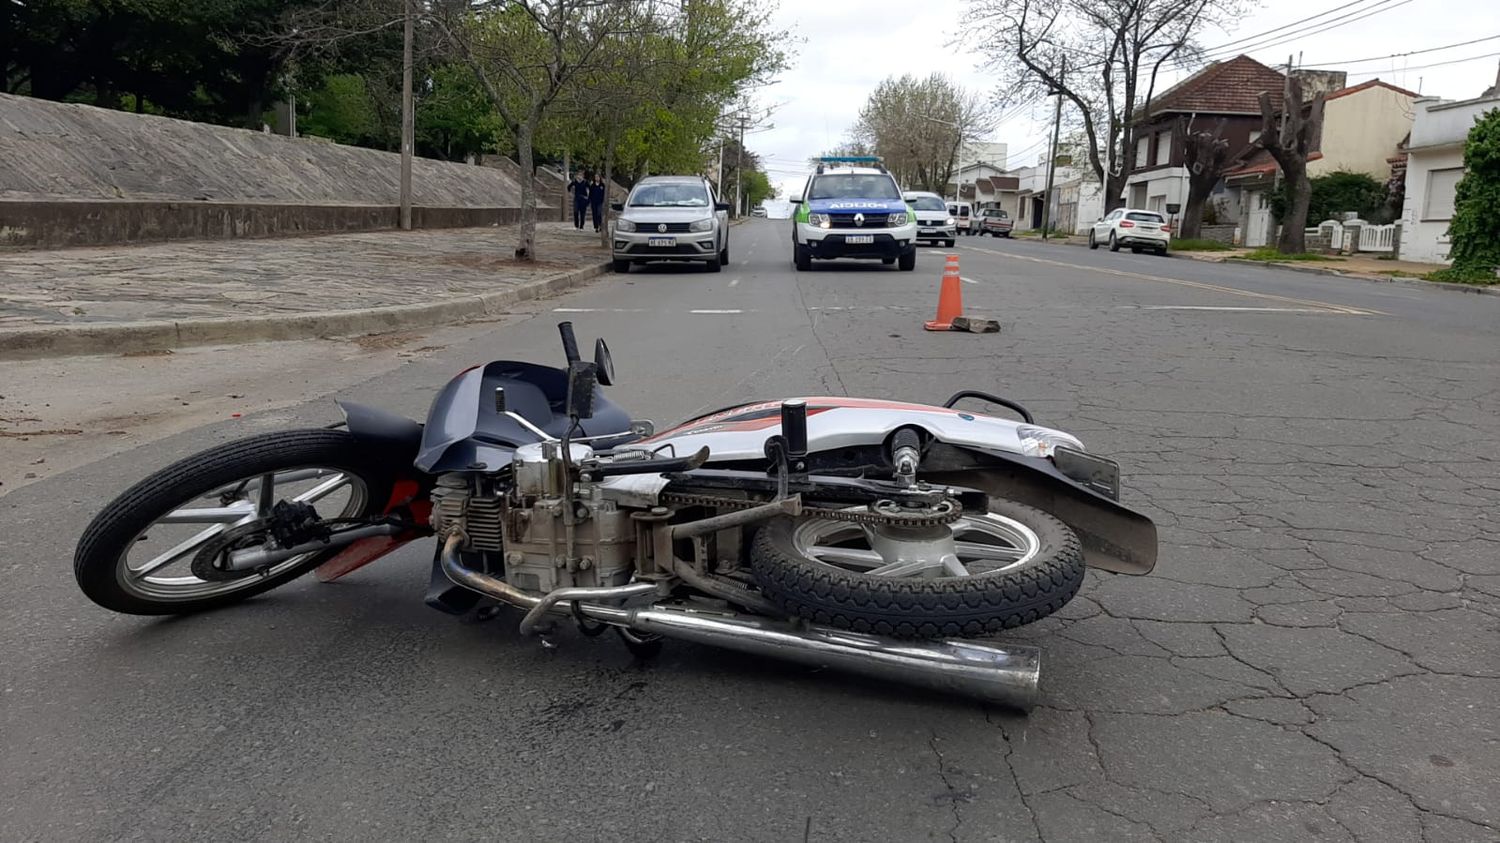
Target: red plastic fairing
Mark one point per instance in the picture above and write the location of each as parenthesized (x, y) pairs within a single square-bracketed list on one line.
[(365, 551)]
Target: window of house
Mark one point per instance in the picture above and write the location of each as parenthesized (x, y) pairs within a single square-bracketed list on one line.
[(1142, 149), (1441, 185), (1163, 147)]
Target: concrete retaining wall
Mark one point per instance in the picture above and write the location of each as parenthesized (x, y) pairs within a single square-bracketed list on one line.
[(75, 175), (54, 224)]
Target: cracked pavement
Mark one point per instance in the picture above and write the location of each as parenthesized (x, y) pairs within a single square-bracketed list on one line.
[(1316, 655)]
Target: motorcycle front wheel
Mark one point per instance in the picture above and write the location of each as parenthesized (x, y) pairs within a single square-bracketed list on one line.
[(152, 550), (983, 573)]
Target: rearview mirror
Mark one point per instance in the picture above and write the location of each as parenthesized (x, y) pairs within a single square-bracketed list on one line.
[(795, 200), (722, 206), (617, 206), (604, 364)]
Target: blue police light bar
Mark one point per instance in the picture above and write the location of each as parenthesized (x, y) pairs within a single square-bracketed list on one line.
[(867, 160)]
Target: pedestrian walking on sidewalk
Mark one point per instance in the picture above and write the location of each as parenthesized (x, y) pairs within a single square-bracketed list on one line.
[(580, 190), (596, 201)]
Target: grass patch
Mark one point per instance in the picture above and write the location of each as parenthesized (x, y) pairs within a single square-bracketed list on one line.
[(1270, 255), (1482, 277), (1200, 246), (1030, 232)]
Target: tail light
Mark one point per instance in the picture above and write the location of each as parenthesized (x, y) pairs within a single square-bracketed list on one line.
[(1166, 229), (1127, 224)]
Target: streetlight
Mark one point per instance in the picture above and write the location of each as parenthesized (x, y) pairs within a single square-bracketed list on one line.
[(958, 188)]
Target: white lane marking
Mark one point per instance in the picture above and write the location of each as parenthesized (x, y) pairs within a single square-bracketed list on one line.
[(967, 280), (1233, 309), (1234, 291), (729, 312), (734, 282), (599, 310)]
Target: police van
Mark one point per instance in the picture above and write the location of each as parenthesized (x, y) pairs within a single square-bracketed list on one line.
[(852, 208)]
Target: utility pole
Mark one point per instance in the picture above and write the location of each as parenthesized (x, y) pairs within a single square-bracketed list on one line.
[(563, 205), (406, 118), (739, 167), (720, 182), (1052, 159)]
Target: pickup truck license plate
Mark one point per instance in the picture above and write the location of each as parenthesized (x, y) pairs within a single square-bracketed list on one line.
[(661, 241), (858, 239)]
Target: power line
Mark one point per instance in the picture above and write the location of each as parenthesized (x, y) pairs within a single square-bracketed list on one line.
[(1380, 7), (1402, 55), (1231, 44), (1425, 66)]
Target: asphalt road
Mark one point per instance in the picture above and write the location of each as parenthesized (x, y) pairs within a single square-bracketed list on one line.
[(1317, 655)]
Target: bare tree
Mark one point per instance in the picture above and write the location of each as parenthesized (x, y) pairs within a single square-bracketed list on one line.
[(1289, 143), (918, 126), (524, 53), (1114, 55), (1205, 154)]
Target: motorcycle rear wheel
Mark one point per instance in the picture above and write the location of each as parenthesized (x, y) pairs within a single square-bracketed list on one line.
[(121, 563), (1018, 565)]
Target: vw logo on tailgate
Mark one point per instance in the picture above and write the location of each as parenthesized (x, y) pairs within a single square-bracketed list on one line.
[(662, 227)]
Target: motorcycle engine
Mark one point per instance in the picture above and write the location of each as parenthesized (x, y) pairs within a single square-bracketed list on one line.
[(528, 522)]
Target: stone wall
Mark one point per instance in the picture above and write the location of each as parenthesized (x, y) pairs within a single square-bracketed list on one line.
[(1218, 233)]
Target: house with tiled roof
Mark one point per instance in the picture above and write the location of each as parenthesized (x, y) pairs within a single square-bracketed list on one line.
[(1364, 126), (1227, 90)]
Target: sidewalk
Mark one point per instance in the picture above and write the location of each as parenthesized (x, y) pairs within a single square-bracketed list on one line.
[(130, 298)]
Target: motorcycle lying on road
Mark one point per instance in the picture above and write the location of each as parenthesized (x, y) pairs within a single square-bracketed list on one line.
[(872, 536)]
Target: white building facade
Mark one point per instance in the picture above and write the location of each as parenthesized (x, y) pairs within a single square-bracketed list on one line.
[(1434, 165)]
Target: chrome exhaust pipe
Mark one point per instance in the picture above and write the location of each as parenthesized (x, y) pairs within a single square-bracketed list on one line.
[(1006, 676)]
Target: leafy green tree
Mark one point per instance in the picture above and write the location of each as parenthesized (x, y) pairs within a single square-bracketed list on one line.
[(454, 118), (1475, 229), (340, 110), (1343, 191)]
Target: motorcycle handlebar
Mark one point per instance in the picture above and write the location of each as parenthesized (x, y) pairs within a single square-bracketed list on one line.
[(569, 341)]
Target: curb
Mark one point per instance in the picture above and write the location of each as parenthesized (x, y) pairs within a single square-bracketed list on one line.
[(122, 337), (1359, 276)]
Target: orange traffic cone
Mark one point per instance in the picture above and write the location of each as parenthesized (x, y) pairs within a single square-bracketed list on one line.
[(950, 298)]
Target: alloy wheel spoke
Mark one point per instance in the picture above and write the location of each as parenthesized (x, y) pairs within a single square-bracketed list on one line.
[(851, 556), (979, 550), (180, 550), (208, 515), (953, 567), (908, 568), (267, 496), (324, 489)]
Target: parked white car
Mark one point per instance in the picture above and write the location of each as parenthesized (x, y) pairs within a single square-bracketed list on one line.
[(1140, 230), (671, 218), (934, 223)]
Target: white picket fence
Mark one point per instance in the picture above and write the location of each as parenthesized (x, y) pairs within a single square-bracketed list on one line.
[(1372, 238), (1377, 238)]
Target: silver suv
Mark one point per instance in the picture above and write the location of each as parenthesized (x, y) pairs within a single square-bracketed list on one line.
[(671, 218)]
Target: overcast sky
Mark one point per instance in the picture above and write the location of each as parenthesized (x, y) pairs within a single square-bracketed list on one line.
[(846, 49)]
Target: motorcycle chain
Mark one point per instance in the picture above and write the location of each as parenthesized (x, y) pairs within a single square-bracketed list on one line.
[(947, 511)]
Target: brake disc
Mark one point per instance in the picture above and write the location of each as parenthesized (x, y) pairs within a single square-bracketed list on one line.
[(217, 549)]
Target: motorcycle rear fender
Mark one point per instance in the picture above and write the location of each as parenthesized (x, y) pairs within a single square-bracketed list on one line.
[(1115, 538)]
